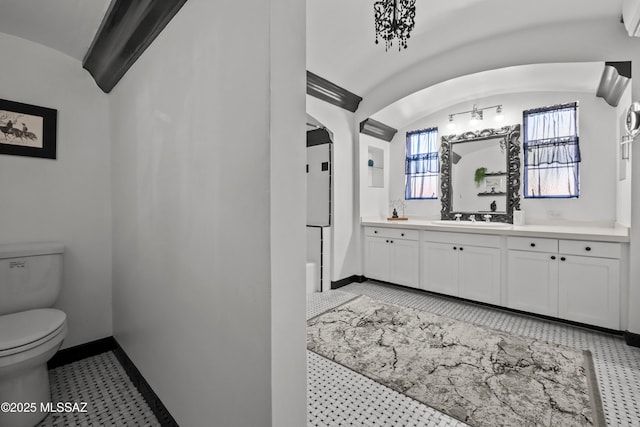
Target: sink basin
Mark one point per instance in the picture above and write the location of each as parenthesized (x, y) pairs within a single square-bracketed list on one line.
[(479, 224)]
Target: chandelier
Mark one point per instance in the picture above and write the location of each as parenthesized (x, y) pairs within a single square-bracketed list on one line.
[(394, 19)]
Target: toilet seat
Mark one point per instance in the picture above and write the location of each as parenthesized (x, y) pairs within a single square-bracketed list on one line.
[(28, 329)]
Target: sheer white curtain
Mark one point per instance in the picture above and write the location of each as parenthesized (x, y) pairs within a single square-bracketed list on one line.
[(422, 165), (552, 151)]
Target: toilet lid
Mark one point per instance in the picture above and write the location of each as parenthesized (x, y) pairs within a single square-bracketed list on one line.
[(20, 329)]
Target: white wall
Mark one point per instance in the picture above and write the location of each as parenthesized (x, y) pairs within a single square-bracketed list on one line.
[(209, 213), (634, 247), (346, 216), (287, 132), (68, 199), (598, 136), (374, 201), (623, 187)]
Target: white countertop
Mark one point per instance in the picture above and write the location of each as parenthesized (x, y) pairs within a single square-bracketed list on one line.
[(576, 232)]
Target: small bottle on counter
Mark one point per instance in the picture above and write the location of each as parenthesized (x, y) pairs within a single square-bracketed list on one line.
[(518, 217)]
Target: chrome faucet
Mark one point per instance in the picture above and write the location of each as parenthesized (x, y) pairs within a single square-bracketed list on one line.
[(457, 217), (472, 218), (487, 218)]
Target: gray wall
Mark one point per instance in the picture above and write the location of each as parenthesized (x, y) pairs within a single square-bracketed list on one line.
[(209, 214), (67, 199)]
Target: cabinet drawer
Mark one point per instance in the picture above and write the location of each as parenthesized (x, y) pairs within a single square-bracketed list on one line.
[(586, 248), (532, 244), (482, 240), (392, 233)]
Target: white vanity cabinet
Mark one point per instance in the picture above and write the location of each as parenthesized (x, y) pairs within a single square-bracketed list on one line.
[(463, 265), (570, 279), (589, 283), (392, 255), (555, 275), (532, 278)]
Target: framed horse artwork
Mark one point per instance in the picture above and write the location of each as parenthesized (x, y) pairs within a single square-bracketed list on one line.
[(27, 130)]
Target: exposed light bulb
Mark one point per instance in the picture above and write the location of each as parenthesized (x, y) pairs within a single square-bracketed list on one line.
[(476, 116), (499, 115), (451, 124)]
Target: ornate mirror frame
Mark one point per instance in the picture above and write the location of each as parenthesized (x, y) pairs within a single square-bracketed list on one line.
[(510, 134)]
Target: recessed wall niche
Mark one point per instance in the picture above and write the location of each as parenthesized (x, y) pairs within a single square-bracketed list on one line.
[(375, 167)]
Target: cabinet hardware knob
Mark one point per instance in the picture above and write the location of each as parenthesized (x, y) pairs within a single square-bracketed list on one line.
[(387, 241), (533, 245), (454, 248), (553, 257), (563, 259), (390, 241), (375, 231), (588, 248), (461, 248), (402, 234)]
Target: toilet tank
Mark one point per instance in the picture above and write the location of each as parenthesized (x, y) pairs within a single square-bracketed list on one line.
[(30, 276)]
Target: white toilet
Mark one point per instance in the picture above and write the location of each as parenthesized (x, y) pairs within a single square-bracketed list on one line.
[(30, 333)]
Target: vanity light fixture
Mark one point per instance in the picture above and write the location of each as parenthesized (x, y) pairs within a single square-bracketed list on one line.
[(451, 124), (477, 114)]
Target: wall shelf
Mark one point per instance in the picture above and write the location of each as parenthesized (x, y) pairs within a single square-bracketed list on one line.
[(494, 193), (376, 172)]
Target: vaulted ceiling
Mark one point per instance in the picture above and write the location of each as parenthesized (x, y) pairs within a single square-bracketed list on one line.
[(64, 25), (341, 48), (340, 34)]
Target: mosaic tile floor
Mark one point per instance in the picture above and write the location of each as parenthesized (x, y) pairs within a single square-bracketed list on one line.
[(338, 396), (112, 399)]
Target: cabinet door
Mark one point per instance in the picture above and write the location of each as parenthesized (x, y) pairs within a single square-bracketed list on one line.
[(533, 282), (480, 274), (440, 268), (589, 290), (405, 262), (376, 261)]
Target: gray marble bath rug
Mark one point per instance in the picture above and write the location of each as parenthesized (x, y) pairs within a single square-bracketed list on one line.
[(481, 376)]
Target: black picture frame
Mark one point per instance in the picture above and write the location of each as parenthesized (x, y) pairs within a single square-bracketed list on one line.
[(27, 130)]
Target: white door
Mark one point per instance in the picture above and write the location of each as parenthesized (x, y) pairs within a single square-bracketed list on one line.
[(589, 290), (405, 262), (440, 268), (377, 258), (532, 283), (480, 273)]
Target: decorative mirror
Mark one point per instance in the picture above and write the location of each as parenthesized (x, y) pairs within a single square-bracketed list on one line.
[(480, 174), (633, 120)]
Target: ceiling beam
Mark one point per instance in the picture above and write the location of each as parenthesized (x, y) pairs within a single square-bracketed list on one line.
[(332, 93), (127, 29), (377, 129), (615, 79)]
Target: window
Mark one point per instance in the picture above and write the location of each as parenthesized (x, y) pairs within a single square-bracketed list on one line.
[(551, 152), (422, 166)]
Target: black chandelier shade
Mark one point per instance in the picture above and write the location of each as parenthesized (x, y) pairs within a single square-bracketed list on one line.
[(394, 19)]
